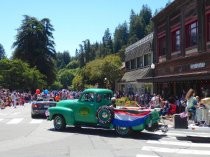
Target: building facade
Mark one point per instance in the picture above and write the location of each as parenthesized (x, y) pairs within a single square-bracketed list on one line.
[(182, 48), (138, 59)]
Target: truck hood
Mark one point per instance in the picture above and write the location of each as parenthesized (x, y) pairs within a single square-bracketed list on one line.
[(67, 103)]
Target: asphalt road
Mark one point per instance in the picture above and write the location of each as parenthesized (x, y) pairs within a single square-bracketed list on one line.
[(21, 136)]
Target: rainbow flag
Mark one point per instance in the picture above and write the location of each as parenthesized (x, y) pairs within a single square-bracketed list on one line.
[(128, 118)]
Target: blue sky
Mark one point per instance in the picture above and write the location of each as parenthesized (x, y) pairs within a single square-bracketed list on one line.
[(73, 20)]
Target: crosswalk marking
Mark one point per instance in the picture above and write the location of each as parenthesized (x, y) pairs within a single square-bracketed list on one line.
[(3, 114), (36, 121), (140, 155), (15, 121), (187, 144), (19, 120), (183, 134), (175, 151), (16, 113)]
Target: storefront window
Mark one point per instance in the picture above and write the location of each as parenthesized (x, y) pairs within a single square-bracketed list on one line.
[(147, 59), (127, 65), (176, 40), (140, 62), (191, 34), (133, 64)]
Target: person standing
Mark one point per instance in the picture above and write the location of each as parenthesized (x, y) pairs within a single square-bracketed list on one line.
[(14, 99), (191, 103)]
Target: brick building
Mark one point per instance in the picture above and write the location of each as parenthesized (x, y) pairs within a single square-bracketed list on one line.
[(182, 48)]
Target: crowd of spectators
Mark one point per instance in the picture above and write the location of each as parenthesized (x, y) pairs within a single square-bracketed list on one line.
[(169, 106), (13, 98)]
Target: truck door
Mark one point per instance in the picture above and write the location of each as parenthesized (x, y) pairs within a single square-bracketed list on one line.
[(86, 109)]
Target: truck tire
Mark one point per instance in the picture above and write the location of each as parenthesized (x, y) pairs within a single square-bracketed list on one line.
[(123, 131), (105, 115), (59, 123)]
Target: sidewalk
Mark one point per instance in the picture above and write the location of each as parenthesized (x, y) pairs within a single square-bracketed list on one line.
[(191, 127)]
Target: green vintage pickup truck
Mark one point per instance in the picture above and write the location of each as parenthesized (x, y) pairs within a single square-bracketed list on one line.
[(93, 109)]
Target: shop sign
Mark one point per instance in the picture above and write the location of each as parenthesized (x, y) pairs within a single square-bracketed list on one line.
[(197, 65)]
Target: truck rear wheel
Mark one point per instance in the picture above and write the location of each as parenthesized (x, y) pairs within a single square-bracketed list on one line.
[(123, 131)]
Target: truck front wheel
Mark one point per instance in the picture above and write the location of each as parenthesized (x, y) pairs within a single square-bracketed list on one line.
[(59, 123)]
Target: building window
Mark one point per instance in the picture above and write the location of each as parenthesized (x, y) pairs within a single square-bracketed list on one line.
[(162, 46), (133, 64), (176, 40), (140, 62), (127, 65), (208, 27), (147, 59), (192, 34)]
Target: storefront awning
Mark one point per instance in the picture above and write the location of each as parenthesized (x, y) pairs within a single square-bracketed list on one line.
[(132, 76), (202, 75)]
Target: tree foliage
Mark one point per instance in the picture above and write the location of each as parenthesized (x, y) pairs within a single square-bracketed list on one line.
[(107, 43), (34, 44), (73, 64), (140, 24), (2, 52), (77, 82), (62, 59), (108, 67), (17, 75), (120, 37), (65, 77)]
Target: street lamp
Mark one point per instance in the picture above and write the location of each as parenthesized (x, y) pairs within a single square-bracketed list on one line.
[(153, 66), (153, 75), (106, 82)]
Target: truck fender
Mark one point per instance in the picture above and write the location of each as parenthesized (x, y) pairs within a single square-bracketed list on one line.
[(67, 114)]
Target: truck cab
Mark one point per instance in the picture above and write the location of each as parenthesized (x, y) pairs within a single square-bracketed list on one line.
[(80, 111)]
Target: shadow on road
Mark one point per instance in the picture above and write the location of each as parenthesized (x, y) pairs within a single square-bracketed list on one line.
[(195, 139), (39, 117), (110, 133)]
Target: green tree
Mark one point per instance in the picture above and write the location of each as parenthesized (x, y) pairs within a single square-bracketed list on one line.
[(120, 36), (98, 69), (62, 59), (2, 52), (146, 16), (73, 64), (81, 56), (56, 85), (66, 57), (34, 44), (77, 82), (134, 23), (65, 77), (87, 50), (140, 25), (107, 43), (17, 75)]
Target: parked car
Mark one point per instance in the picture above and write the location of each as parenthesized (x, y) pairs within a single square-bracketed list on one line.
[(93, 109), (39, 107)]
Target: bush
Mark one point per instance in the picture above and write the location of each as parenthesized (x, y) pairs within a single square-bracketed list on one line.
[(124, 101)]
